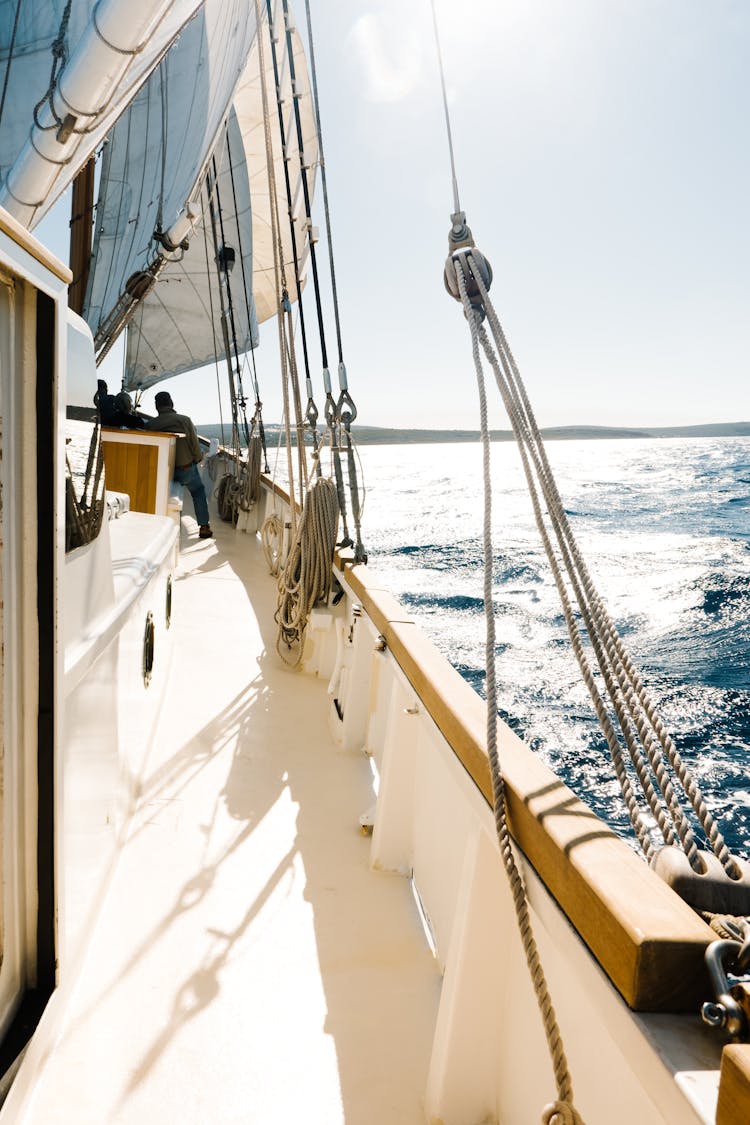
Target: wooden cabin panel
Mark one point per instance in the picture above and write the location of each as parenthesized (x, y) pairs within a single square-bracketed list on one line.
[(141, 465)]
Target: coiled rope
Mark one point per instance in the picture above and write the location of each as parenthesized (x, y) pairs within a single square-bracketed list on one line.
[(307, 574)]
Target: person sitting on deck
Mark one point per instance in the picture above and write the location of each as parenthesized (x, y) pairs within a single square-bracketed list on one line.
[(188, 455)]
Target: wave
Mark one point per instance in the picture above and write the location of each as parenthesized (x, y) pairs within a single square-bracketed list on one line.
[(663, 528), (459, 603)]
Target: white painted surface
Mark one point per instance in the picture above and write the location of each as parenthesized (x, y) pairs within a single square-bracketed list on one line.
[(247, 965), (110, 586)]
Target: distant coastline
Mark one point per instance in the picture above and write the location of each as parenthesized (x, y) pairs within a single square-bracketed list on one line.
[(376, 435)]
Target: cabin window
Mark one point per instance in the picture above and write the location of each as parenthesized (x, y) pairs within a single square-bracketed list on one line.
[(84, 483)]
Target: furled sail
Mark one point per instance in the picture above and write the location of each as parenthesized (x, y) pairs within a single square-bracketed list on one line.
[(248, 104), (40, 44), (153, 170)]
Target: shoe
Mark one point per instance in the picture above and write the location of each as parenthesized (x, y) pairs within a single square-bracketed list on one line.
[(205, 532)]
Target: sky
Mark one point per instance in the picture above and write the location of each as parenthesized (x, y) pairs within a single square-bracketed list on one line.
[(603, 165)]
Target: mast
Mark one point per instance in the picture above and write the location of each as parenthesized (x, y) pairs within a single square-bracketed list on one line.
[(81, 222)]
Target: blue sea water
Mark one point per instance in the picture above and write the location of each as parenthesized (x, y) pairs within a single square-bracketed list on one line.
[(664, 526)]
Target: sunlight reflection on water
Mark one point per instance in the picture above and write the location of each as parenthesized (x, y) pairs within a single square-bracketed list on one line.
[(663, 527)]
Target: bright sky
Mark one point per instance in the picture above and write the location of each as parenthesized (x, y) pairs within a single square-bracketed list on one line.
[(604, 168)]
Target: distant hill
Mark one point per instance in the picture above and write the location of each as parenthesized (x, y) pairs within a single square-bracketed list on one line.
[(376, 435)]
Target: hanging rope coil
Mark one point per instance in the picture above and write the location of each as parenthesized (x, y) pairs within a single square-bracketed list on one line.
[(307, 575), (239, 490), (272, 539), (84, 509)]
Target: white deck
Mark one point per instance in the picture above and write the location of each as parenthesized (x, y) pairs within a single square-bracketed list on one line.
[(247, 966)]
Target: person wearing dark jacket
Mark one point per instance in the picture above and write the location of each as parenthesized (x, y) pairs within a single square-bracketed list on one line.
[(188, 455), (117, 410)]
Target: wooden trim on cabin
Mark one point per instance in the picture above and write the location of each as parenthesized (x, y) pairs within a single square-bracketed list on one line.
[(19, 234), (647, 940), (734, 1085)]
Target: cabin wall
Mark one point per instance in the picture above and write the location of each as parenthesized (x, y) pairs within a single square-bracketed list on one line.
[(112, 585)]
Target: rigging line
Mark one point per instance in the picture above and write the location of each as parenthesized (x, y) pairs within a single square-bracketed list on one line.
[(333, 412), (290, 206), (110, 148), (59, 58), (622, 679), (225, 333), (311, 411), (10, 58), (163, 146), (278, 256), (230, 304), (323, 181), (249, 305), (563, 1109), (305, 185), (213, 324), (456, 203)]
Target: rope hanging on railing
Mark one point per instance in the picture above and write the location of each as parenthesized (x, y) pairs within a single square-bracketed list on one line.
[(308, 573)]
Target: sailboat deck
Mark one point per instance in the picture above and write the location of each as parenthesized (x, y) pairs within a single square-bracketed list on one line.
[(247, 966)]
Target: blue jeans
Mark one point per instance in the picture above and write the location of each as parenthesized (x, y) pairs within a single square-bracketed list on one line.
[(190, 478)]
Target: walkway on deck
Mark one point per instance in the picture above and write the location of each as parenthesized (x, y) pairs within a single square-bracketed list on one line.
[(247, 966)]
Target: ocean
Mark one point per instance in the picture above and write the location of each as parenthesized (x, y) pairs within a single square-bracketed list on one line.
[(663, 525)]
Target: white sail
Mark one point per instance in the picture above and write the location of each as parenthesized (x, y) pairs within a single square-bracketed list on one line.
[(107, 55), (175, 328), (150, 176), (156, 158), (26, 64), (248, 103)]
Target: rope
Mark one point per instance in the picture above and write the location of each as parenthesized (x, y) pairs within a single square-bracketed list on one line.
[(730, 927), (213, 324), (210, 188), (307, 575), (344, 411), (323, 180), (59, 57), (278, 257), (456, 203), (288, 184), (11, 49), (272, 538), (635, 710), (562, 1111)]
